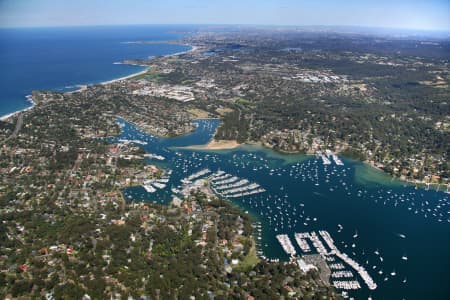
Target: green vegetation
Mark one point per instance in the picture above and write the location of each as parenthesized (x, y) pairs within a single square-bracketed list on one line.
[(67, 232), (250, 260)]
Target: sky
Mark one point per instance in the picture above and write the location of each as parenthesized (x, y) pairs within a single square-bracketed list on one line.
[(405, 14)]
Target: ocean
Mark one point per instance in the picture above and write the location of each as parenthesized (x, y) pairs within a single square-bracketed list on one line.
[(61, 59)]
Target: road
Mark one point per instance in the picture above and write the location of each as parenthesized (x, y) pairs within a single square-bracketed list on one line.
[(19, 124)]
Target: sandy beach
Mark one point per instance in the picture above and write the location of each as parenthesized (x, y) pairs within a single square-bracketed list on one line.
[(6, 117), (126, 77), (216, 145), (83, 87), (193, 48)]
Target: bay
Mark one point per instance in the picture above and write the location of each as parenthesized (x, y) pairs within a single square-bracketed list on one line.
[(379, 217)]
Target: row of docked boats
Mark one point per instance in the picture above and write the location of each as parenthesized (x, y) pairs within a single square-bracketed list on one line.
[(327, 156), (285, 242), (338, 268), (154, 156), (152, 185), (196, 175), (229, 186)]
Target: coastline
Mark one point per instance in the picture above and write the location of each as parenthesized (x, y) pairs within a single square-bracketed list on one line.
[(392, 178), (124, 77), (142, 72), (232, 144), (10, 115), (85, 86), (193, 49), (216, 144)]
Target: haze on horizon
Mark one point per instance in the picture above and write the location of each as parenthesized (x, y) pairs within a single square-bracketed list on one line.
[(402, 14)]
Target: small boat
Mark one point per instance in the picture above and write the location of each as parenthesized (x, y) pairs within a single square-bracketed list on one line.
[(401, 235)]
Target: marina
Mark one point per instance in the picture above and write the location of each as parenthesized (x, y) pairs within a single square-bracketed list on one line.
[(154, 156), (342, 274), (295, 195), (302, 241), (125, 141), (230, 186), (347, 285), (196, 175), (152, 185), (344, 257)]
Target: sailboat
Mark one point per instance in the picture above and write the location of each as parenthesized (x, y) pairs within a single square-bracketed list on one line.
[(402, 235)]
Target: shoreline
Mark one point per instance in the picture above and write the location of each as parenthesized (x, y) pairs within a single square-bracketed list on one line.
[(216, 145), (85, 86), (10, 115), (124, 77), (213, 144)]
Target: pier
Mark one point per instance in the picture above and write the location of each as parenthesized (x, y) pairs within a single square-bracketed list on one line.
[(342, 274), (344, 257), (347, 285), (286, 244), (232, 186), (196, 175), (302, 243), (154, 156), (125, 141)]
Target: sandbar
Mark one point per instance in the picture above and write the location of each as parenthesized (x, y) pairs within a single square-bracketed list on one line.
[(217, 145)]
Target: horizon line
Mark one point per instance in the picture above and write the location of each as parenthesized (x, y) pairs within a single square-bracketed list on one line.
[(441, 30)]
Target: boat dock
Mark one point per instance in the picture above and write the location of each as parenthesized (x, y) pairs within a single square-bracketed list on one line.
[(337, 160), (342, 274), (344, 257), (151, 185), (300, 238), (230, 186), (196, 175), (325, 160), (125, 141), (347, 285), (318, 244), (327, 156), (286, 244), (154, 156)]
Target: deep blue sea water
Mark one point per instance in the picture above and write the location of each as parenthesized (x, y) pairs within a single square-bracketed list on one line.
[(378, 215), (62, 58)]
